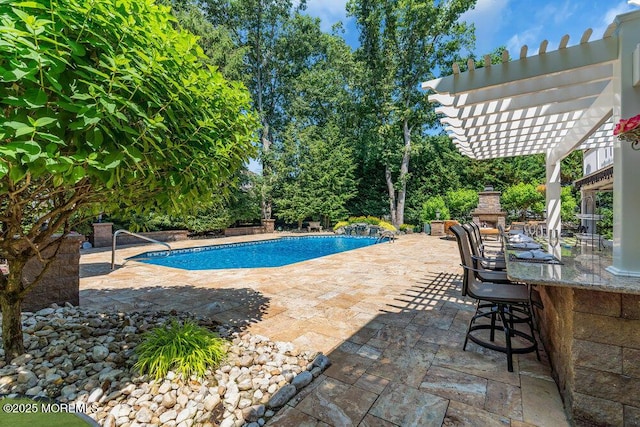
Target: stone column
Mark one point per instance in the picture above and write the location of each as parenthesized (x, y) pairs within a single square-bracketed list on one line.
[(102, 234), (61, 283), (269, 225), (437, 228)]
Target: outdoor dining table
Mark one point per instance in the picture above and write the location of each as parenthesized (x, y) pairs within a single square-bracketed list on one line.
[(590, 328)]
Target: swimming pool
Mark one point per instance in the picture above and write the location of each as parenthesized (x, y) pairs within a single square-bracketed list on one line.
[(264, 253)]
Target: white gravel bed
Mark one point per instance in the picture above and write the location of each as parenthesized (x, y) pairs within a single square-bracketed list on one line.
[(85, 358)]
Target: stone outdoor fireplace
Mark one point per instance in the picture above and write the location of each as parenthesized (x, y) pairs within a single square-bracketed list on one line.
[(489, 213)]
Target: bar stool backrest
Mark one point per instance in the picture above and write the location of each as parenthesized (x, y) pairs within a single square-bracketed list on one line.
[(465, 256), (476, 230), (475, 246)]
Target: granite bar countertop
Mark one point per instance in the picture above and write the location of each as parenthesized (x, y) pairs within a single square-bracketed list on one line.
[(583, 266)]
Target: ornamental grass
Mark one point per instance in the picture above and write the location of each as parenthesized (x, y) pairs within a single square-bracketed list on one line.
[(185, 348)]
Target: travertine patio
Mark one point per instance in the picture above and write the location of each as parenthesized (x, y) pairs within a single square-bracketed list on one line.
[(390, 317)]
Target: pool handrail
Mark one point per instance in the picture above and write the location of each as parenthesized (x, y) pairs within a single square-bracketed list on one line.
[(387, 234), (131, 233)]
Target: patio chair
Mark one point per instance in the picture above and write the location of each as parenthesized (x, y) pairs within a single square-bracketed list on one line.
[(314, 225), (495, 246), (489, 263), (504, 305)]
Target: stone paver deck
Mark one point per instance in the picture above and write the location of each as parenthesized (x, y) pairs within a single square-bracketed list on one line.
[(390, 317)]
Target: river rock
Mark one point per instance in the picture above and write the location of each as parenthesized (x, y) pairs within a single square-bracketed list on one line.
[(321, 361), (80, 356), (170, 415), (302, 380), (253, 413), (27, 378), (211, 401), (282, 396), (169, 400), (144, 415), (99, 353)]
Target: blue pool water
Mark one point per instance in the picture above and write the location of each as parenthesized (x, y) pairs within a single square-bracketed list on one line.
[(266, 253)]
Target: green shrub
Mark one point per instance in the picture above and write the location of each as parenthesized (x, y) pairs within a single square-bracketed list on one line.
[(568, 204), (387, 225), (433, 204), (405, 227), (371, 220), (186, 348), (521, 199), (461, 203), (340, 224)]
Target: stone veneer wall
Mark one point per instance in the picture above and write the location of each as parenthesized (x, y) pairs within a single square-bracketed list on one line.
[(243, 231), (593, 341), (489, 210), (61, 283), (489, 201), (102, 234), (161, 236)]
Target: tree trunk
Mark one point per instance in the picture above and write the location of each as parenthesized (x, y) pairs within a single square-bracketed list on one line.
[(396, 204), (392, 195), (266, 203), (404, 172), (11, 306)]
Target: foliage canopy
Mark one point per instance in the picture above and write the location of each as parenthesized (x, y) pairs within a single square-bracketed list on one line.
[(105, 105)]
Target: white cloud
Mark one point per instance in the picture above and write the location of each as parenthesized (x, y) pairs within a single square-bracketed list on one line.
[(488, 17), (559, 13), (530, 37), (620, 8)]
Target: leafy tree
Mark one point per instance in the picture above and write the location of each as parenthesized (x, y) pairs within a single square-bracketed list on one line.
[(432, 206), (402, 43), (521, 198), (320, 178), (216, 41), (604, 202), (437, 168), (256, 27), (571, 167), (105, 105), (568, 204), (461, 203), (212, 213), (314, 163)]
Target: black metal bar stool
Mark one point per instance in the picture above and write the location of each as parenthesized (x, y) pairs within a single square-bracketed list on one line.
[(504, 305)]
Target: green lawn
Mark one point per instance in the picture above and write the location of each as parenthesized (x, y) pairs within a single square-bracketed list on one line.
[(24, 412)]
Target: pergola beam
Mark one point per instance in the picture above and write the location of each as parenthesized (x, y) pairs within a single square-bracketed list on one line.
[(574, 77), (592, 119), (559, 61)]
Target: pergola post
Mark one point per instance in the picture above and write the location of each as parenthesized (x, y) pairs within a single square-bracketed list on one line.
[(626, 169), (553, 190)]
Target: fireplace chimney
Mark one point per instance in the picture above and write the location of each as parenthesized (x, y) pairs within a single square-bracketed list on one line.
[(489, 213)]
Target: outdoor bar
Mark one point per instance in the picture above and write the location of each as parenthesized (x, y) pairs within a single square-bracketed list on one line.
[(590, 326), (554, 103)]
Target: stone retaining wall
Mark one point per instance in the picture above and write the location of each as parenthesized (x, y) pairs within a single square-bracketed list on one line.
[(593, 339), (62, 281), (161, 236), (243, 231)]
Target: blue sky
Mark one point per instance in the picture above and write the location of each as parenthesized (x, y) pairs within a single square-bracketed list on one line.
[(510, 23)]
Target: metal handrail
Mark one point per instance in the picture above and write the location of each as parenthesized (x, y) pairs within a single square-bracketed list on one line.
[(387, 234), (140, 236)]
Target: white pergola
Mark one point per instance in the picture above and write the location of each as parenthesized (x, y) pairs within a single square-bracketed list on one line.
[(554, 103)]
